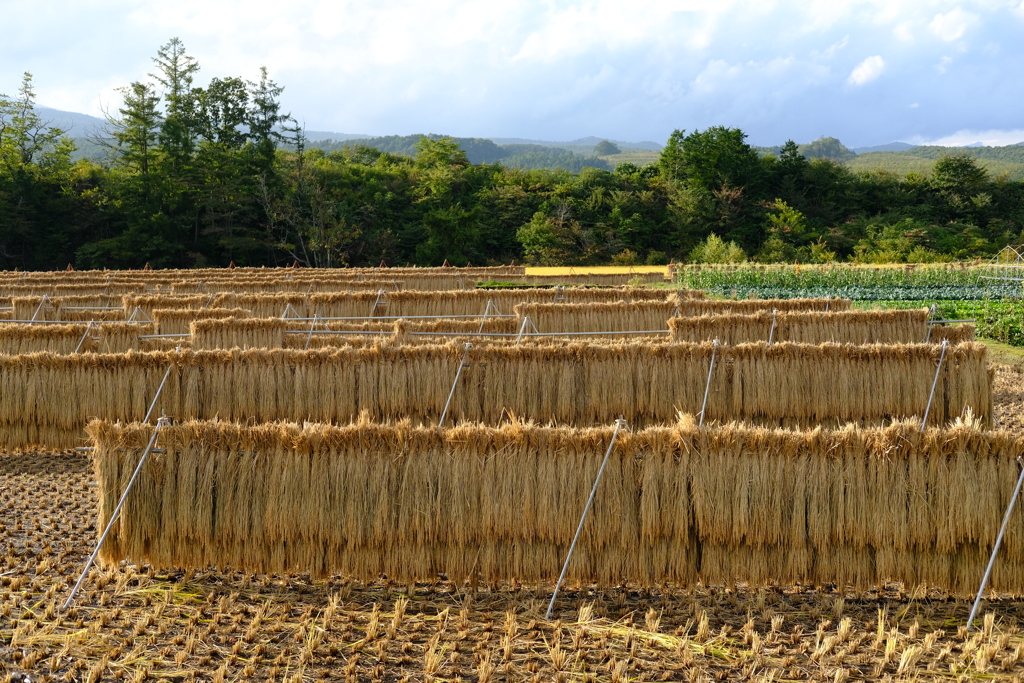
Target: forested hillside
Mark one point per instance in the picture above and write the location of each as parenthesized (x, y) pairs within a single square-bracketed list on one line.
[(214, 173), (478, 151)]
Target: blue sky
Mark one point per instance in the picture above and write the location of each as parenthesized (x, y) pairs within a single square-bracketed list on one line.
[(865, 72)]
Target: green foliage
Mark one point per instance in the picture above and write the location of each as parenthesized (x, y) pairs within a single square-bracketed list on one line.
[(827, 148), (606, 148), (214, 172), (715, 250), (910, 283), (626, 257), (775, 250)]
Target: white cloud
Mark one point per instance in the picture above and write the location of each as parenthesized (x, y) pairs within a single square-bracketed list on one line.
[(991, 138), (915, 105), (532, 68), (867, 71), (903, 31), (832, 49), (953, 24)]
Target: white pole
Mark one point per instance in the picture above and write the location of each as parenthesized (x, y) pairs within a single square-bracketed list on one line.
[(931, 396), (117, 511), (707, 387), (462, 364), (82, 341), (995, 549), (586, 510)]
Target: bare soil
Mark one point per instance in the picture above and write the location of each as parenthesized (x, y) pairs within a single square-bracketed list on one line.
[(141, 623)]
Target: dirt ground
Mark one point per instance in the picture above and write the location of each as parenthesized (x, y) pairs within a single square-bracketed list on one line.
[(137, 623)]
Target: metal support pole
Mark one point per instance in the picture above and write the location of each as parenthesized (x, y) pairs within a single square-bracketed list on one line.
[(84, 336), (522, 328), (609, 333), (707, 387), (309, 337), (828, 302), (771, 332), (117, 511), (39, 308), (931, 316), (995, 548), (380, 299), (931, 396), (586, 510), (159, 390), (462, 364), (487, 310)]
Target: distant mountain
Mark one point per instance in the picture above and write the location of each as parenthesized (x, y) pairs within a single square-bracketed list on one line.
[(481, 151), (74, 124), (589, 141), (337, 137), (890, 147)]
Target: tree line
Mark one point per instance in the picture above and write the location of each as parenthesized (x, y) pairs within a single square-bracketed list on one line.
[(208, 175)]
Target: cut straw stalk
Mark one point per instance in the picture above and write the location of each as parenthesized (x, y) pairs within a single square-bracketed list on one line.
[(242, 333), (60, 339), (572, 383), (654, 315), (178, 320), (472, 302), (808, 327), (677, 504)]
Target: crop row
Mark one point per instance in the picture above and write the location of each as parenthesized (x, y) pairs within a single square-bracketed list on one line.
[(830, 276), (864, 292)]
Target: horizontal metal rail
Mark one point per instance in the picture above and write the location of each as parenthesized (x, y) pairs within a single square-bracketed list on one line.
[(534, 334), (165, 336), (92, 308), (959, 320), (71, 322), (407, 317), (337, 331)]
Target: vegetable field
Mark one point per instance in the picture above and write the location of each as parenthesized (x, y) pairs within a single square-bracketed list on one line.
[(914, 282)]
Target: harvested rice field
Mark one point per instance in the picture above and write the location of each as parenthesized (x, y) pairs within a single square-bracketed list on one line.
[(137, 623)]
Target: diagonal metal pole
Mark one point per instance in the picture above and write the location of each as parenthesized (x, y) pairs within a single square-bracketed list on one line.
[(39, 308), (462, 364), (771, 332), (309, 337), (522, 329), (586, 510), (159, 390), (995, 548), (487, 310), (84, 336), (931, 396), (117, 511), (707, 387), (931, 316)]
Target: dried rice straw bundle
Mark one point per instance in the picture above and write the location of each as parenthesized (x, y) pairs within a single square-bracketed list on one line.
[(680, 503), (796, 385), (229, 333), (122, 337), (23, 339), (598, 317), (816, 327), (178, 320)]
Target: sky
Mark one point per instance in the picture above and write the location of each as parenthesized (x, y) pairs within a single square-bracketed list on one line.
[(866, 72)]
